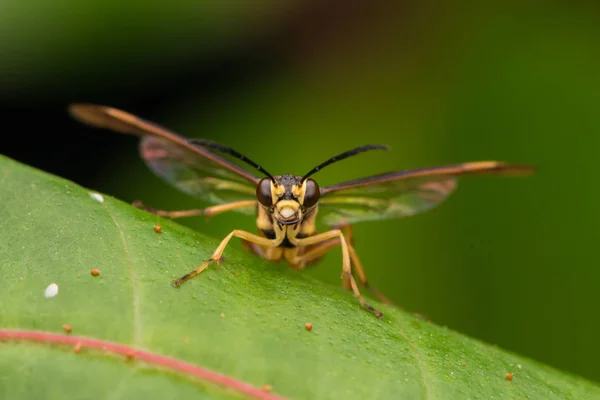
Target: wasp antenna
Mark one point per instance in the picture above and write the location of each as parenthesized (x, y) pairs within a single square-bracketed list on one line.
[(231, 152), (344, 155)]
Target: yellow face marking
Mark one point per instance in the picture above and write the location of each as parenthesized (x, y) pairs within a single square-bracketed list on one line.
[(288, 211), (277, 192), (299, 191)]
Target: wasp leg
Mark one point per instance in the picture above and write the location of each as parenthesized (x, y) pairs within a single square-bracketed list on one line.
[(209, 211), (301, 261), (346, 262), (347, 229), (362, 277), (216, 256)]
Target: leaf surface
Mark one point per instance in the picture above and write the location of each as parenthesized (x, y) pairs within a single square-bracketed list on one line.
[(244, 318)]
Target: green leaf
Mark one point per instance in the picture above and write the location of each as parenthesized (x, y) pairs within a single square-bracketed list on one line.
[(244, 318)]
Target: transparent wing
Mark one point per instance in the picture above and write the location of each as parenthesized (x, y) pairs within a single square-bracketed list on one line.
[(193, 174), (400, 194), (191, 168)]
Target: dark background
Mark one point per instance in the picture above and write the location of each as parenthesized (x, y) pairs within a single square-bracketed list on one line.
[(510, 261)]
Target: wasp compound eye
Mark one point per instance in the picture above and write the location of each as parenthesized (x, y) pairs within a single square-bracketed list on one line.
[(263, 192), (311, 194)]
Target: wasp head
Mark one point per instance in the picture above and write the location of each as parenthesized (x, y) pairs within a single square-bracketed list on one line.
[(288, 198)]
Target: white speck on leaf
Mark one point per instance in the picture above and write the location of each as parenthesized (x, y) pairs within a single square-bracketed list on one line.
[(97, 196), (51, 290)]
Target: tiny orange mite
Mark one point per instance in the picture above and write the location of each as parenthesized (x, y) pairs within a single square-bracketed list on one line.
[(157, 228), (267, 388), (130, 355), (508, 377), (77, 347), (308, 326), (67, 328), (95, 272)]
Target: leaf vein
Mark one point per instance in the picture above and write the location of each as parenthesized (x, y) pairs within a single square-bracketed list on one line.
[(137, 324), (419, 362)]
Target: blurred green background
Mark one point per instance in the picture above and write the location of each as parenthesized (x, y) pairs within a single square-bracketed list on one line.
[(510, 261)]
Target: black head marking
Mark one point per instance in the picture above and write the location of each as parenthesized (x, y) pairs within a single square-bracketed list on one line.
[(288, 181)]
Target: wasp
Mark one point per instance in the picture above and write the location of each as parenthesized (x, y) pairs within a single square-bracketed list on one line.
[(286, 206)]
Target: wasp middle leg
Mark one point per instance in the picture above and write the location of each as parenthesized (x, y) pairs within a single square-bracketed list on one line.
[(209, 211)]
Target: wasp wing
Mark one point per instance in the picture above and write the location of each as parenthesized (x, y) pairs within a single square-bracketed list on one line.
[(401, 193), (190, 167)]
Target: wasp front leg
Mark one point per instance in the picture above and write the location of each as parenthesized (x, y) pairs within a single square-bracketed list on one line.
[(216, 256), (314, 253), (360, 271), (346, 260), (209, 211)]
